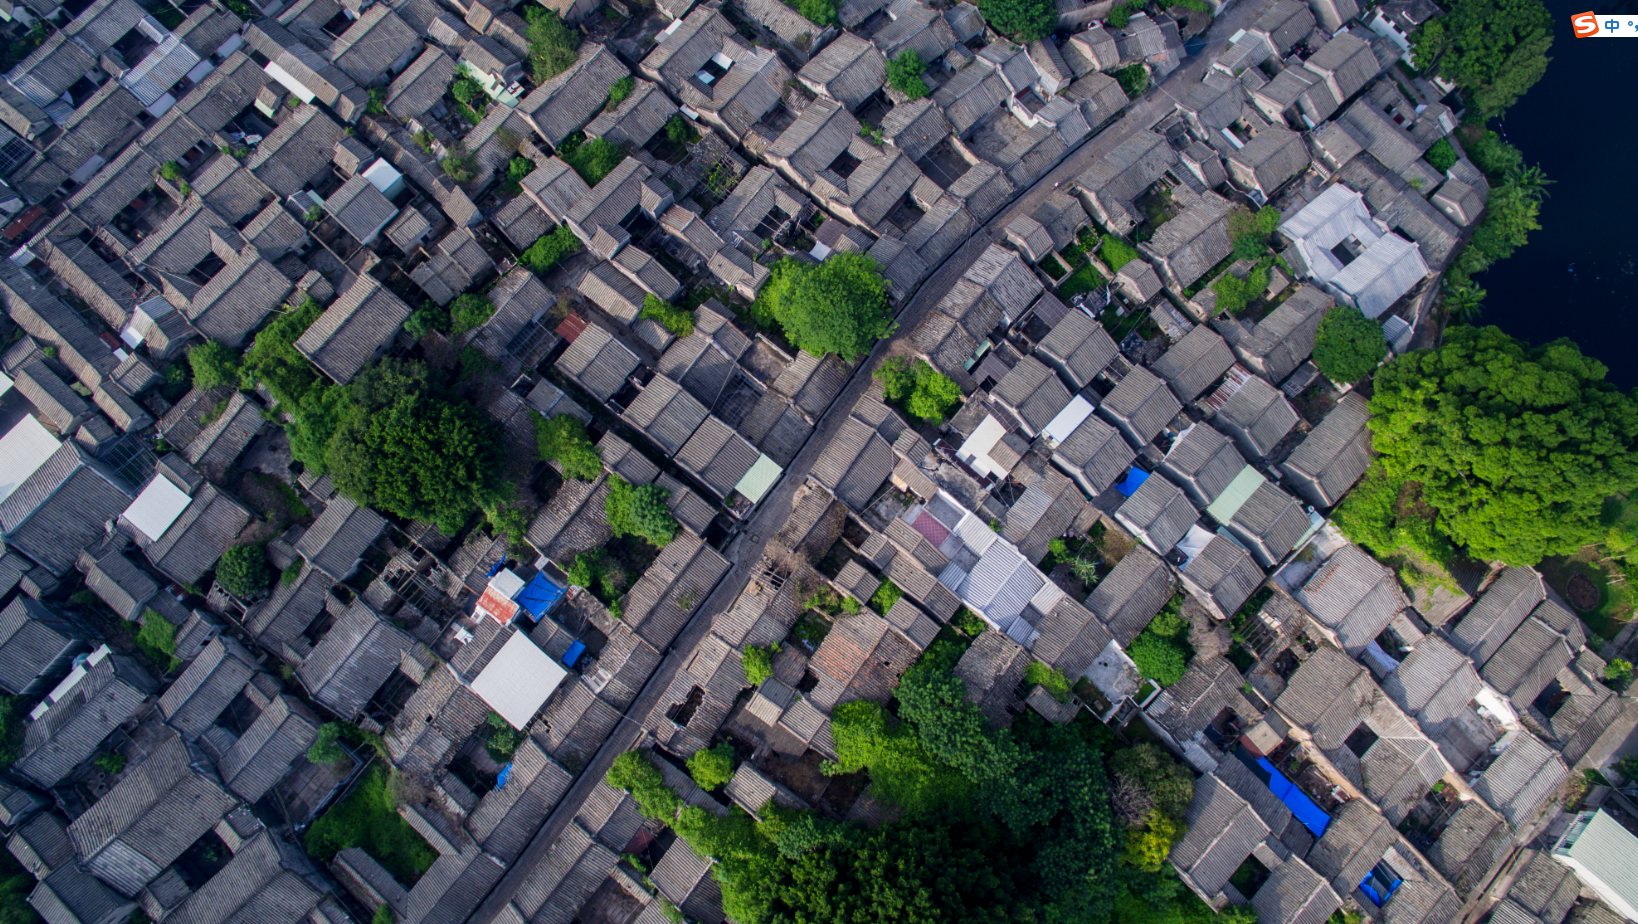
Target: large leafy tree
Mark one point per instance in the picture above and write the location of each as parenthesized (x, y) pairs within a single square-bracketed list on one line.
[(213, 364), (422, 457), (838, 306), (918, 388), (1348, 345), (563, 438), (1494, 49), (1020, 20), (1515, 446), (639, 510)]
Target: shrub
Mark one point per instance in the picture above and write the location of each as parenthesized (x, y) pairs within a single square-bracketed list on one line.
[(291, 574), (552, 44), (758, 663), (325, 749), (680, 132), (620, 92), (1134, 79), (369, 819), (383, 915), (550, 249), (460, 165), (377, 104), (1116, 252), (639, 510), (1053, 680), (243, 570), (110, 762), (915, 386), (1618, 671), (678, 321), (503, 740), (1161, 650), (904, 74), (1234, 293), (516, 169), (593, 160), (563, 438), (428, 318), (712, 767), (157, 639), (213, 364), (171, 170), (1441, 156), (1020, 20), (467, 312), (636, 774), (885, 596), (1628, 768), (819, 12), (274, 361), (966, 621), (1349, 345), (1147, 847)]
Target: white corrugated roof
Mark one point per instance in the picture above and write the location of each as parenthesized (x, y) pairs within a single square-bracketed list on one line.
[(156, 508), (518, 680), (23, 449), (1068, 419)]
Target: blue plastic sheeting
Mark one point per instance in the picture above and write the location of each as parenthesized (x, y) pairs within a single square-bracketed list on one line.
[(1379, 887), (573, 654), (539, 596), (497, 568), (1312, 816), (504, 775), (1134, 480)]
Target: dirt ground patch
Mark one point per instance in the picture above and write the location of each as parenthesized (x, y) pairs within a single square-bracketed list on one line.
[(1582, 593)]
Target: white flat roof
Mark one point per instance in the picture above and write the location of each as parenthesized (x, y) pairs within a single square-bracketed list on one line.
[(976, 450), (23, 449), (518, 680), (156, 508), (1068, 419)]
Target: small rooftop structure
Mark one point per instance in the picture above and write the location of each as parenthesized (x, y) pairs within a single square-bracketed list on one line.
[(518, 680), (1353, 596), (1600, 851), (354, 330)]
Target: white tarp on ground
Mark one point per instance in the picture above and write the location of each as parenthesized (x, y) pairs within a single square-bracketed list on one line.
[(23, 449), (518, 680)]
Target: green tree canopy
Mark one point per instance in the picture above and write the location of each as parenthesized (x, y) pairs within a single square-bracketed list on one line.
[(563, 438), (1494, 49), (549, 249), (552, 45), (243, 570), (1348, 345), (213, 364), (639, 510), (1020, 20), (904, 74), (917, 387), (469, 311), (712, 767), (838, 306), (1515, 446)]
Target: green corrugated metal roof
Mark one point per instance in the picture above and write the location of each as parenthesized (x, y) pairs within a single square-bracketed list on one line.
[(759, 479), (1237, 493)]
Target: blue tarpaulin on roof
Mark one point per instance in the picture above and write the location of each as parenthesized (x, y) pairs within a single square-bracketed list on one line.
[(573, 654), (504, 775), (1312, 816), (540, 596), (1134, 480), (1380, 884)]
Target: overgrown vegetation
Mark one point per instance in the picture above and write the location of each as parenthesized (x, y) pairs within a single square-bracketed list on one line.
[(1385, 514), (243, 570), (1495, 50), (502, 740), (563, 439), (552, 44), (593, 160), (758, 663), (1133, 79), (213, 364), (712, 767), (157, 638), (550, 249), (460, 165), (639, 510), (678, 130), (1235, 293), (470, 98), (110, 762), (1020, 20), (885, 596), (595, 571), (1053, 680), (368, 818), (819, 12), (1349, 346), (1116, 253), (469, 311), (1161, 651), (15, 886), (904, 74), (679, 321), (12, 713), (620, 92), (920, 390), (1441, 156), (839, 306)]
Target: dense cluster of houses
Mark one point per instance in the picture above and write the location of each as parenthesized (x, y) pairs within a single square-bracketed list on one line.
[(174, 178)]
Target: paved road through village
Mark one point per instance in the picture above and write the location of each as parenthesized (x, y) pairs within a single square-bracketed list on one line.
[(747, 549)]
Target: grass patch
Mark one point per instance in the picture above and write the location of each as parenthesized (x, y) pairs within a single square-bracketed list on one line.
[(885, 596), (157, 640), (368, 818), (1084, 279), (1053, 680), (1615, 601), (1116, 253), (593, 160), (1050, 265)]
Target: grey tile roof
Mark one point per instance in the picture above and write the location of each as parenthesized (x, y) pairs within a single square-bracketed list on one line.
[(1224, 573), (1095, 455), (1295, 894), (1282, 341), (36, 645), (1203, 462), (1194, 363), (354, 329), (564, 104), (1079, 348), (157, 810), (507, 817), (192, 544), (598, 362), (51, 396), (671, 589), (254, 886), (1530, 658), (360, 209), (71, 896), (1270, 523), (992, 667), (206, 686), (238, 421), (1545, 887), (861, 658), (1328, 695), (352, 661), (665, 413), (854, 463), (61, 508), (1223, 830), (1353, 596), (1507, 602), (1258, 416), (718, 456), (1435, 682), (1353, 843), (1141, 406), (297, 150), (1333, 455), (847, 70), (339, 537), (291, 608), (1159, 513), (1033, 393), (267, 750), (1473, 840), (1129, 596)]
